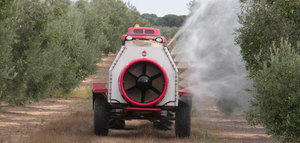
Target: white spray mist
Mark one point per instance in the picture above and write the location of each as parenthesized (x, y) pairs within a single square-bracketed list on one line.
[(206, 45)]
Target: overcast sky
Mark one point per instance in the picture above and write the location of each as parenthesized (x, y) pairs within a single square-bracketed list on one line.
[(161, 7)]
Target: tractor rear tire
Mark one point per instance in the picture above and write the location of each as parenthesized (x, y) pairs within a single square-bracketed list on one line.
[(101, 117), (183, 120)]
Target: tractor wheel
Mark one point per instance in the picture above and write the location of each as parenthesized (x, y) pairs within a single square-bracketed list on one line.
[(101, 116), (117, 124), (183, 120)]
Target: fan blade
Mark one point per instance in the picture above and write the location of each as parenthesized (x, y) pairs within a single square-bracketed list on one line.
[(144, 69), (155, 90), (156, 76), (143, 96), (131, 88), (131, 74)]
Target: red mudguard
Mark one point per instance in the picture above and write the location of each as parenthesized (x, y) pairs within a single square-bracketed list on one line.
[(186, 94), (99, 88), (99, 91)]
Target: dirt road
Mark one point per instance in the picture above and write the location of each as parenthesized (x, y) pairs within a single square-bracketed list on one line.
[(71, 120)]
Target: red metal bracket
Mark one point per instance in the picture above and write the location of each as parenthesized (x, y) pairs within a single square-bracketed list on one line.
[(142, 109)]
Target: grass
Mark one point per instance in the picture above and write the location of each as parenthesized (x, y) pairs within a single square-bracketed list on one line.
[(84, 92), (199, 132), (78, 128), (74, 128)]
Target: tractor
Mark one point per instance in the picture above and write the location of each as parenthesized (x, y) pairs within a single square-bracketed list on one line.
[(143, 85)]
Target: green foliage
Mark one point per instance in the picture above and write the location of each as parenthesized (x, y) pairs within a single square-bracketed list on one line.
[(264, 22), (4, 4), (49, 46), (168, 32), (146, 15), (275, 72), (7, 72), (111, 19), (276, 100), (168, 25), (170, 20)]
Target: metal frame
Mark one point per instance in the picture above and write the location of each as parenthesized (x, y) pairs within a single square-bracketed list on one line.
[(159, 54)]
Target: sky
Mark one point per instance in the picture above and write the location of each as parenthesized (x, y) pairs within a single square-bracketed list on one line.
[(161, 7)]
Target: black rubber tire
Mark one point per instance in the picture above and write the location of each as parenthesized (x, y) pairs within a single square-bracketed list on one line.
[(101, 117), (117, 124), (183, 120)]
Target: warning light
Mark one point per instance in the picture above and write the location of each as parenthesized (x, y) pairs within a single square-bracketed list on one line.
[(136, 25), (144, 53)]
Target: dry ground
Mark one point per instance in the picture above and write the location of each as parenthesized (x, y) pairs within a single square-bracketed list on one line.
[(71, 121)]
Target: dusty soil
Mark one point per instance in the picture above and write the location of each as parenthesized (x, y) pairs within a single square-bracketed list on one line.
[(19, 122), (71, 120)]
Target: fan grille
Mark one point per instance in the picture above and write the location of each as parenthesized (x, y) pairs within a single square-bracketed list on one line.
[(144, 82)]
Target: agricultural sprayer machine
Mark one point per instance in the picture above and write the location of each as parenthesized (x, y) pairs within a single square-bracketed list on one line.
[(143, 84)]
